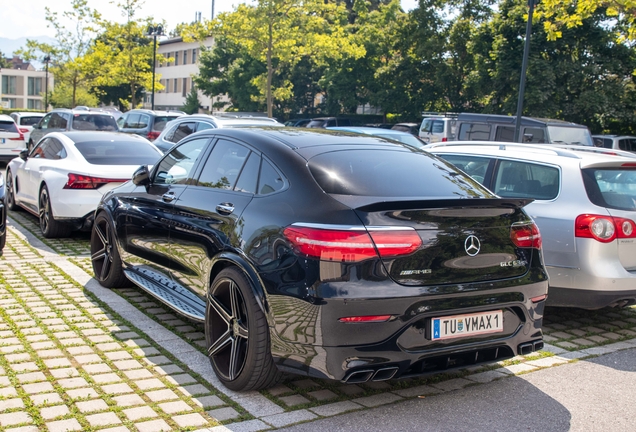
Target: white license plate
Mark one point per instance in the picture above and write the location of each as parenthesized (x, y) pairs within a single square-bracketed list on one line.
[(1, 140), (466, 325)]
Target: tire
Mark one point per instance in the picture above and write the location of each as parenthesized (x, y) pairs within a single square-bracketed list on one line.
[(105, 258), (237, 334), (3, 241), (10, 193), (48, 225)]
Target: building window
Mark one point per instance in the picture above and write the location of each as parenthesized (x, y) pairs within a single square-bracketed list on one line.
[(175, 84), (8, 102), (194, 56), (176, 58), (8, 84), (35, 104), (185, 87), (34, 86), (185, 57)]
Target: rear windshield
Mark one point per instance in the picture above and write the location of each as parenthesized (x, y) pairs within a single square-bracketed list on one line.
[(570, 135), (161, 121), (374, 173), (29, 121), (118, 153), (611, 188), (8, 126), (93, 122)]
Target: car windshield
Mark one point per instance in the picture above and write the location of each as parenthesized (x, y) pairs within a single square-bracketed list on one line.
[(94, 122), (372, 173), (131, 152), (570, 135), (29, 121), (613, 188)]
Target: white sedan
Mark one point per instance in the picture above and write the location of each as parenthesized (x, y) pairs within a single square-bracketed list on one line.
[(63, 178)]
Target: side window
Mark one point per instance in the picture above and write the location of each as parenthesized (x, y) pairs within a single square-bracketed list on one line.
[(269, 180), (527, 180), (623, 144), (437, 126), (176, 167), (533, 135), (203, 126), (55, 150), (45, 121), (426, 125), (224, 165), (170, 134), (132, 121), (57, 121), (39, 151), (249, 175), (474, 166), (121, 121), (182, 131), (505, 133), (474, 132), (143, 121), (608, 143)]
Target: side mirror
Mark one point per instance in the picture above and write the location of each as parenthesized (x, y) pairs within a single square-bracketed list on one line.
[(24, 154), (141, 176)]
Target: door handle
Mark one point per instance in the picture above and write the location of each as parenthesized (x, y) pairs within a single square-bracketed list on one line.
[(225, 208), (168, 197)]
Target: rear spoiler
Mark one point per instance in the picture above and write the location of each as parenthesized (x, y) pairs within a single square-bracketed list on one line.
[(374, 204)]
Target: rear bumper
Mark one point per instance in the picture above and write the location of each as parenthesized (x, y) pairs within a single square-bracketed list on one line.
[(590, 299)]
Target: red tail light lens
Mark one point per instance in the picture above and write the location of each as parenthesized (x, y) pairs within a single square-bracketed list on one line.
[(525, 235), (444, 139), (77, 181), (604, 228), (153, 135), (367, 318), (20, 138), (352, 245), (23, 130)]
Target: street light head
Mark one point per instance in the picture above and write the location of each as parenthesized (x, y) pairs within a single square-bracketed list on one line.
[(47, 58), (156, 30)]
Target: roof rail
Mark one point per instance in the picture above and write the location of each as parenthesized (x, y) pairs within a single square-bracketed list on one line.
[(558, 150), (442, 114)]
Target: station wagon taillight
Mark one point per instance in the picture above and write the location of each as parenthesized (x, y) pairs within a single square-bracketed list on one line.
[(19, 138), (603, 228), (352, 245), (525, 235), (78, 181), (153, 135)]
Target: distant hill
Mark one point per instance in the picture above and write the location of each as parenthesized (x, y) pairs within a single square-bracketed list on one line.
[(9, 46)]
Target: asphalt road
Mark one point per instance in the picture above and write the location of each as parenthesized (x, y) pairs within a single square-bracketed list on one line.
[(590, 395)]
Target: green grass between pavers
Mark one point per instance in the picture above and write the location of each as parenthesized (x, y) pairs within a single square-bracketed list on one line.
[(130, 350)]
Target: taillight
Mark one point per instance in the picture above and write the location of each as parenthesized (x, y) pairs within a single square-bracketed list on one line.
[(444, 139), (153, 135), (78, 181), (352, 245), (603, 228), (19, 138), (23, 130), (525, 235), (365, 318)]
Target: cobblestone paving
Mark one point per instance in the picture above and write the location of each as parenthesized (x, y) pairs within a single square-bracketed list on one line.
[(70, 362)]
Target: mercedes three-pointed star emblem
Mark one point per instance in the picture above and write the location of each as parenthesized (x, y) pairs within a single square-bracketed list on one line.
[(472, 245)]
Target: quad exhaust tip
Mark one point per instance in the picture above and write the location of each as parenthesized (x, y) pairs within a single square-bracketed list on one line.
[(362, 376), (527, 348)]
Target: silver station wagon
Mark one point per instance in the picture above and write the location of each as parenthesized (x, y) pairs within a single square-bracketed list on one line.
[(585, 207)]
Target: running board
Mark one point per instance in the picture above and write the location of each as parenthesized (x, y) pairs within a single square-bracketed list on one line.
[(169, 293)]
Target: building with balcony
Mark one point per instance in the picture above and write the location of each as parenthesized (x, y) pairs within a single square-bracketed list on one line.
[(22, 86)]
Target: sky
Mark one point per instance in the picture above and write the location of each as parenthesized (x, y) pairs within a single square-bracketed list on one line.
[(26, 18)]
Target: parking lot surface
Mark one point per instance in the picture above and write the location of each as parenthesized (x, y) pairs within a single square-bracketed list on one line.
[(76, 356)]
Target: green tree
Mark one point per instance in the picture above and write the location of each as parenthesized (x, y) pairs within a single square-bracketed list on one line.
[(280, 33), (4, 63), (192, 103), (67, 53)]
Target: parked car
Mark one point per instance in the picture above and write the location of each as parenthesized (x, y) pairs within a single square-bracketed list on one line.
[(63, 178), (297, 122), (26, 121), (146, 123), (3, 215), (622, 142), (585, 207), (438, 127), (396, 135), (488, 127), (307, 251), (11, 139), (184, 126), (325, 122), (412, 128), (63, 119)]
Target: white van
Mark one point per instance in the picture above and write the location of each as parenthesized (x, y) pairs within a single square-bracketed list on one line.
[(438, 127)]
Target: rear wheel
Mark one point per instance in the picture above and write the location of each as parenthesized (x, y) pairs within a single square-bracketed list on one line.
[(104, 254), (237, 334), (50, 227), (11, 204)]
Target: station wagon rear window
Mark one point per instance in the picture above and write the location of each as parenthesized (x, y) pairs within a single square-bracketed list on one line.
[(611, 188), (118, 152)]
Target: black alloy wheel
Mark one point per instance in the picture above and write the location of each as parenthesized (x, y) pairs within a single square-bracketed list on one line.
[(237, 334), (107, 265), (48, 225), (10, 194)]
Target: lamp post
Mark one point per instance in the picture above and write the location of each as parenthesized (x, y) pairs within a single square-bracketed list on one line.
[(154, 31), (524, 67), (47, 59)]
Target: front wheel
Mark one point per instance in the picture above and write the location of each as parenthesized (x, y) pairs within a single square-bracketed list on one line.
[(11, 204), (50, 227), (107, 265), (237, 334)]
